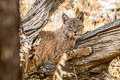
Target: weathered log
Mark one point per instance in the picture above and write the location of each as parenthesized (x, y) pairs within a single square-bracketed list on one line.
[(105, 44), (38, 16)]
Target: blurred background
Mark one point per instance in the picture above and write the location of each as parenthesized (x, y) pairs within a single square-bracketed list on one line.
[(97, 12), (25, 6)]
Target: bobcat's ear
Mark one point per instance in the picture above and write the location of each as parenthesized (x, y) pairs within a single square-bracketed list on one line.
[(81, 16), (64, 17)]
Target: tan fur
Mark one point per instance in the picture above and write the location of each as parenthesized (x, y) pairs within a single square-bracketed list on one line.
[(54, 44), (51, 44)]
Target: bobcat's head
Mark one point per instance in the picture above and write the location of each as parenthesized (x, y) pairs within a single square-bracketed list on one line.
[(72, 26)]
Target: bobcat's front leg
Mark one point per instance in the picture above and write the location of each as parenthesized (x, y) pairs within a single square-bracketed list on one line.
[(79, 52), (69, 33)]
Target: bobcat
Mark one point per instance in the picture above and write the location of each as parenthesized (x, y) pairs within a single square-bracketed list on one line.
[(54, 44)]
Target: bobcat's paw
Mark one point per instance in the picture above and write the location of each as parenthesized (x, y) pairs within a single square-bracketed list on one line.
[(79, 52), (83, 51)]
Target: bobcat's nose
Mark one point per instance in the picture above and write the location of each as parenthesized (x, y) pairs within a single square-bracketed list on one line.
[(75, 32)]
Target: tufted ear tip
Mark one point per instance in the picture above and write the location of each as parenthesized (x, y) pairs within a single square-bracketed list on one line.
[(64, 17), (81, 16)]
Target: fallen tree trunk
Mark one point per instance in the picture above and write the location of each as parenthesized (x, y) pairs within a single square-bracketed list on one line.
[(105, 44)]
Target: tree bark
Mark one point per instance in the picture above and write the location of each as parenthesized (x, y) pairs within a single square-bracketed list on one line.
[(38, 16), (9, 41)]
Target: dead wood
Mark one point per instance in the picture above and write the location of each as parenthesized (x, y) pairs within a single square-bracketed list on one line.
[(105, 44), (38, 16)]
